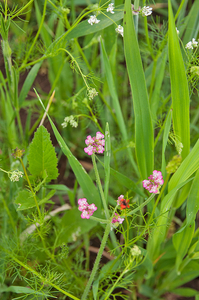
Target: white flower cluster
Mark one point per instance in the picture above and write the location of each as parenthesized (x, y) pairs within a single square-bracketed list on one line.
[(91, 93), (93, 20), (192, 44), (135, 251), (110, 8), (69, 120), (15, 175), (146, 11), (120, 30)]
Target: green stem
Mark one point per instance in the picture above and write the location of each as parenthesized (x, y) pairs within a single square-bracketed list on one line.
[(142, 205), (100, 186), (10, 216), (36, 36), (30, 186), (96, 264), (42, 278)]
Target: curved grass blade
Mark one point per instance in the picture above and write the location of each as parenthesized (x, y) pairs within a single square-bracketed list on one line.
[(144, 140), (84, 180), (179, 88)]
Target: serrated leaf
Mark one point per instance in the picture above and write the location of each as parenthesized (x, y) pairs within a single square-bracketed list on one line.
[(42, 157), (25, 200)]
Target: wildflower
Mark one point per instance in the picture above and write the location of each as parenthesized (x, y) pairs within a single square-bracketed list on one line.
[(93, 20), (192, 44), (110, 8), (15, 175), (69, 120), (135, 251), (117, 220), (17, 153), (95, 144), (123, 202), (86, 209), (154, 183), (146, 11), (91, 93), (135, 12), (120, 30)]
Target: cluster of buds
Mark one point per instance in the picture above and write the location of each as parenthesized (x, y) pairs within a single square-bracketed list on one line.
[(93, 20), (69, 120), (87, 209), (154, 182), (120, 30), (95, 144), (174, 164), (110, 8), (123, 203)]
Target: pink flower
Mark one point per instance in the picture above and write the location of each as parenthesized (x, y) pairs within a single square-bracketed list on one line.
[(87, 209), (117, 220), (154, 182), (95, 144)]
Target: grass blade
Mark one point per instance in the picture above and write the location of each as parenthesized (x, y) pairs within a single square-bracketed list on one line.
[(179, 88), (144, 142)]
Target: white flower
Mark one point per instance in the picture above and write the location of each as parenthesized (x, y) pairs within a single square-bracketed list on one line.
[(194, 43), (110, 8), (15, 175), (146, 11), (69, 120), (91, 92), (93, 20), (189, 45), (135, 251), (177, 31), (120, 30)]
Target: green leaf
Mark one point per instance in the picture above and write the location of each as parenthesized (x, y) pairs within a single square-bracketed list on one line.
[(28, 82), (185, 292), (181, 242), (23, 290), (42, 157), (144, 140), (193, 200), (73, 226), (25, 200), (179, 88)]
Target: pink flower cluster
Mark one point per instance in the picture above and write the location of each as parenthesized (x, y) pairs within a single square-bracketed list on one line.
[(154, 183), (87, 209), (117, 220), (95, 144)]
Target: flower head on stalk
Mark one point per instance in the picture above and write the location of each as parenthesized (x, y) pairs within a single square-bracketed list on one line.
[(123, 203), (95, 144), (110, 8), (154, 183), (86, 209), (93, 20), (116, 221), (146, 11), (120, 30)]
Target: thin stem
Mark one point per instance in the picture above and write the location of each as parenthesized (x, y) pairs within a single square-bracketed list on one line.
[(21, 10), (96, 264), (100, 186), (42, 278), (36, 37), (142, 205), (30, 186), (9, 215)]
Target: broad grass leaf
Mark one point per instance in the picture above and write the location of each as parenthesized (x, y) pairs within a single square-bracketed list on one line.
[(42, 157), (174, 280), (182, 241), (185, 292), (28, 82), (191, 23), (107, 158), (193, 200), (179, 88), (144, 140), (187, 168)]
